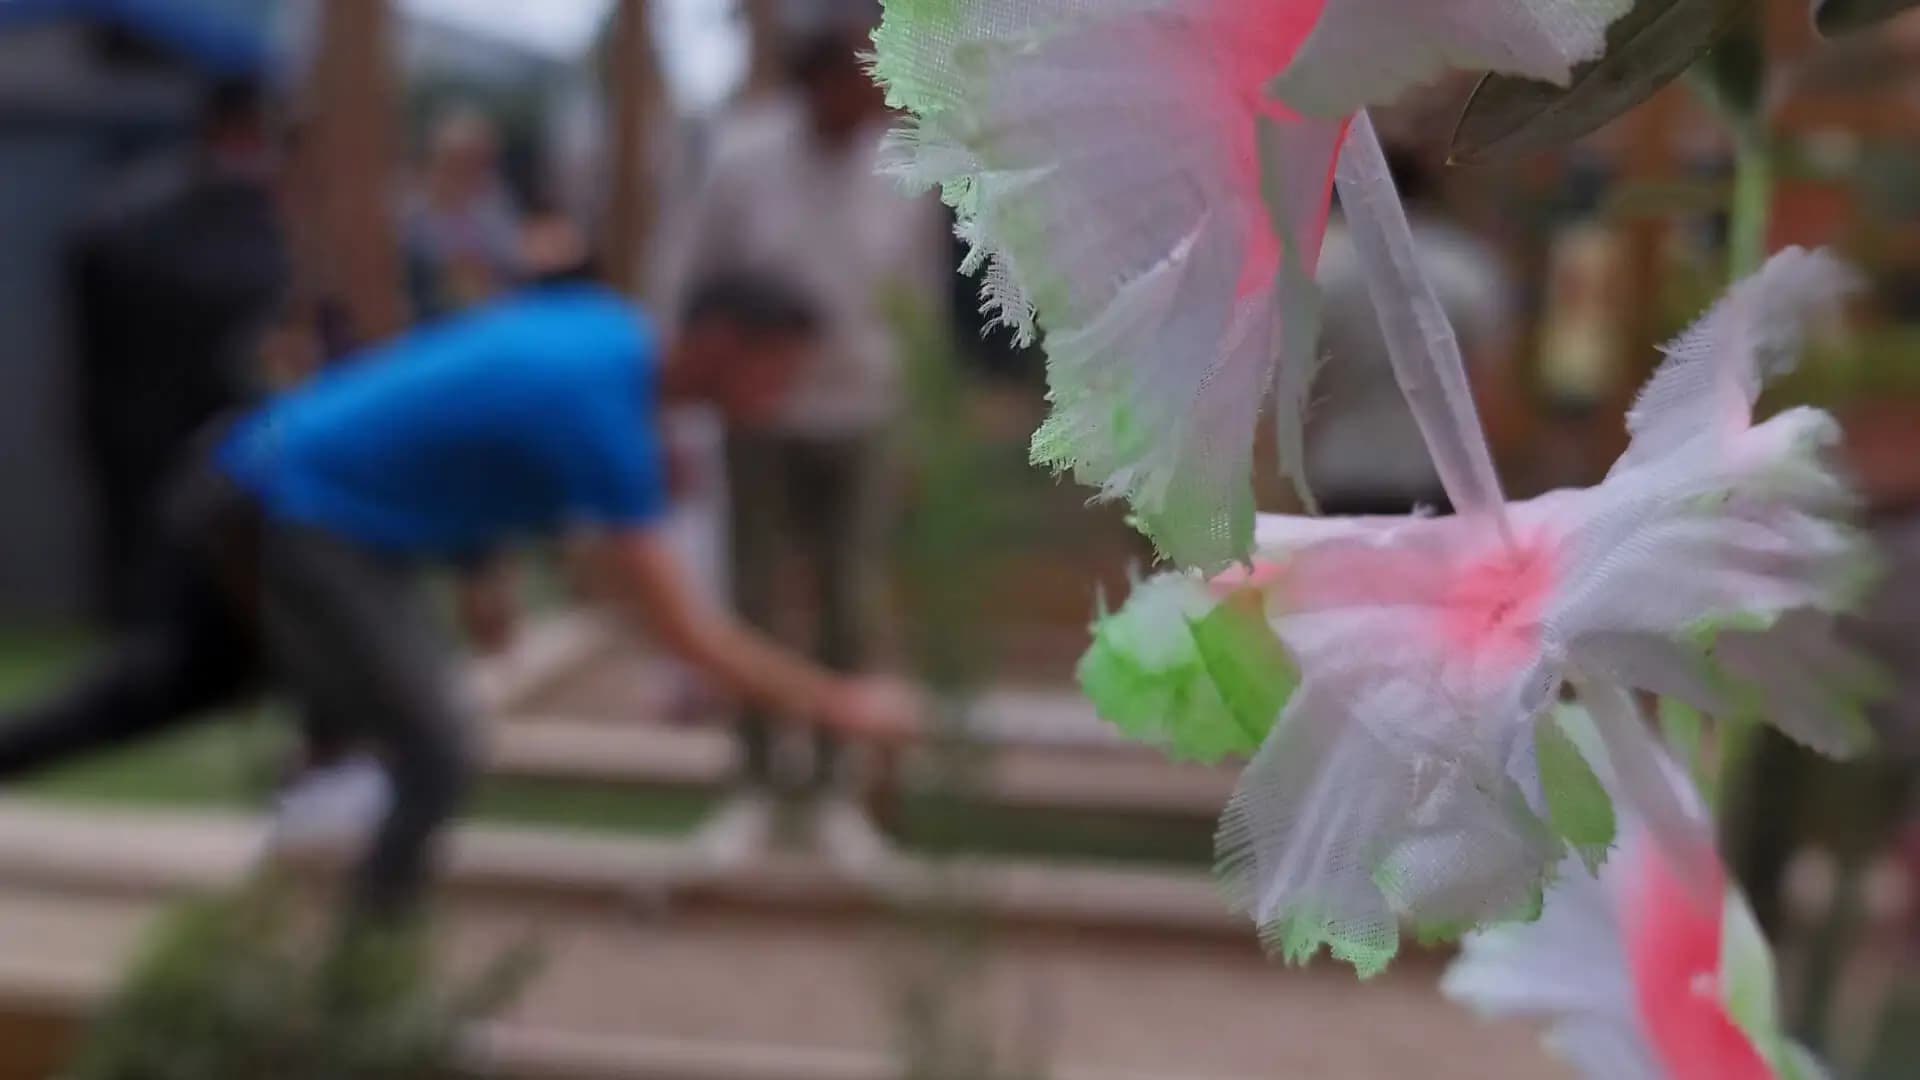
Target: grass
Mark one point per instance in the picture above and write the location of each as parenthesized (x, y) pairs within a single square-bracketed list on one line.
[(957, 827), (231, 763), (32, 660)]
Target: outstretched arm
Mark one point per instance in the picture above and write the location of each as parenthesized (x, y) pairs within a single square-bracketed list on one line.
[(648, 583), (487, 598)]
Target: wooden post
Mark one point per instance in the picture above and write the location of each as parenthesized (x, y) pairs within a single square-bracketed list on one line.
[(766, 64), (634, 77), (355, 106), (1649, 160), (1789, 33)]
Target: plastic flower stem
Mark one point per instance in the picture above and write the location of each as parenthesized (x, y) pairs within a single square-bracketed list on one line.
[(1750, 218), (1425, 352), (1633, 751), (1752, 211)]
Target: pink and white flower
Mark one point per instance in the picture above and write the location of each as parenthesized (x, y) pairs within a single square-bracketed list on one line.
[(1639, 972), (1138, 193), (1414, 773)]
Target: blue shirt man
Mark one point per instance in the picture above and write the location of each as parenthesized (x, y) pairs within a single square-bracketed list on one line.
[(298, 544), (526, 419)]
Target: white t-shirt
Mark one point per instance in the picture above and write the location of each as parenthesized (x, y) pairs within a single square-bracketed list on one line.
[(1362, 442), (776, 202)]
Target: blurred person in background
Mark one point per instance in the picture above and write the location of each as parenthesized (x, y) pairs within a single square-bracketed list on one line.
[(174, 281), (1364, 450), (307, 524), (460, 229), (795, 193)]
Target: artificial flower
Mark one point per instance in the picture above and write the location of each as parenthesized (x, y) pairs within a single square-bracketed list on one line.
[(1414, 772), (1639, 973), (1137, 194)]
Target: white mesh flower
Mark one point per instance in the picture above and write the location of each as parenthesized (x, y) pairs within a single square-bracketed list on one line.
[(1639, 974), (1415, 773), (1365, 52), (1140, 197)]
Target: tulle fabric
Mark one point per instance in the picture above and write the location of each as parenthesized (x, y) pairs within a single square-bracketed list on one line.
[(1638, 974), (1141, 200), (1370, 51), (1402, 781)]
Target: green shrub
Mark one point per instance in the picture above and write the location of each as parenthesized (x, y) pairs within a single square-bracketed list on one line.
[(246, 986)]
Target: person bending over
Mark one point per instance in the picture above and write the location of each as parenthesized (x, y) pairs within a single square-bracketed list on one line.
[(306, 525)]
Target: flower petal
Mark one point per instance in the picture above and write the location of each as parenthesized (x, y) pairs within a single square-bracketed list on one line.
[(1714, 578), (1371, 804), (1654, 790), (1714, 372), (1367, 52), (1640, 973), (1109, 159), (1568, 969), (1308, 826)]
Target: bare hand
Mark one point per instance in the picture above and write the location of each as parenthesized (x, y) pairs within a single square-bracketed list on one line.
[(489, 612), (878, 709)]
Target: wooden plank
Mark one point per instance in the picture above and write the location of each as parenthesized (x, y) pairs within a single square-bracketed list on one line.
[(1029, 777), (121, 853)]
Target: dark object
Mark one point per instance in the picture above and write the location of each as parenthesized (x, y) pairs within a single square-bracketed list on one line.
[(1734, 73), (823, 54), (234, 102), (986, 344), (1835, 17), (173, 283), (342, 629), (816, 495), (1647, 48), (189, 31), (753, 303)]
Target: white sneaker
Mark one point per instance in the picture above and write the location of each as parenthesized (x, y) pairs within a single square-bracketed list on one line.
[(332, 806), (739, 832), (844, 832)]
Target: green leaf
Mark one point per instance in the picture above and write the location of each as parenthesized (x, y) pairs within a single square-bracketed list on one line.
[(1797, 1063), (1647, 48), (1685, 732), (1202, 678), (1250, 668), (1835, 17), (1578, 807), (1747, 978)]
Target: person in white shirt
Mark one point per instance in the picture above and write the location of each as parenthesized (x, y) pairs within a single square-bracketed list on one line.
[(460, 230), (795, 193), (1364, 451)]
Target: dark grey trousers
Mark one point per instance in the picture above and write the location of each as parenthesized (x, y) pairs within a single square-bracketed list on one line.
[(827, 498), (252, 604)]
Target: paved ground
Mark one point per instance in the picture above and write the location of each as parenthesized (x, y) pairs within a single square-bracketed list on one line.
[(1104, 1004), (807, 991), (821, 988)]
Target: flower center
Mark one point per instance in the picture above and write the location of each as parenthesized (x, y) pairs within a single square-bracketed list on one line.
[(1492, 608)]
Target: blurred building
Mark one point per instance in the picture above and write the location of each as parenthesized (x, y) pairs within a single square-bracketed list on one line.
[(86, 86)]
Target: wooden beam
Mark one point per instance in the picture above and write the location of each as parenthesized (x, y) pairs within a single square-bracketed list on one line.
[(766, 63), (354, 104), (1647, 157), (634, 81)]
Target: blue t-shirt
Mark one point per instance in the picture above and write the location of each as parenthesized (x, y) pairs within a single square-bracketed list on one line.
[(519, 420)]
